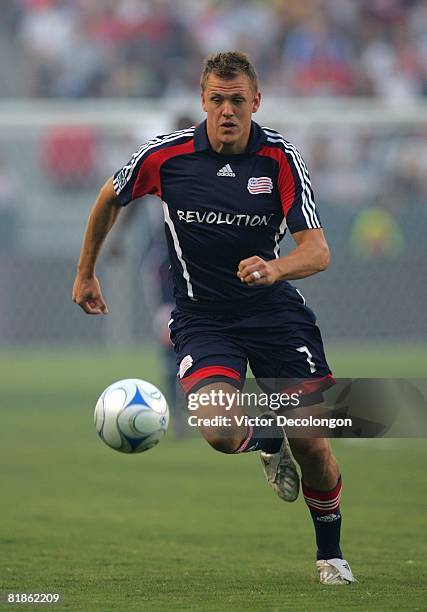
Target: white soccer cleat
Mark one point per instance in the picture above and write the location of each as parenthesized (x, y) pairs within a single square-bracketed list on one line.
[(334, 571), (281, 472)]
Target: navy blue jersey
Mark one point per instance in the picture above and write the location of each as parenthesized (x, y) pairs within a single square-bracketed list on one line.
[(220, 209)]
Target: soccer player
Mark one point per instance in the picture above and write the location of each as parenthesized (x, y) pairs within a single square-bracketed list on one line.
[(229, 190)]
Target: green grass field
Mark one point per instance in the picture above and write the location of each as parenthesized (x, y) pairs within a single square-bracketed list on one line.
[(182, 527)]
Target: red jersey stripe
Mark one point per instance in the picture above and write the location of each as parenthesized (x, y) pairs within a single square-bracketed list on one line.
[(148, 179), (285, 179), (189, 381)]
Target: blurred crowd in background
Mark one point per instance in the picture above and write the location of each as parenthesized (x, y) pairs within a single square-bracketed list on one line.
[(153, 48)]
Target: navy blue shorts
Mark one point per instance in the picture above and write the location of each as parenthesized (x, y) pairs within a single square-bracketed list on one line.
[(279, 343)]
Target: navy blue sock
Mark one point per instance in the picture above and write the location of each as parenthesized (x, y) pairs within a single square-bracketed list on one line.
[(324, 508), (267, 438)]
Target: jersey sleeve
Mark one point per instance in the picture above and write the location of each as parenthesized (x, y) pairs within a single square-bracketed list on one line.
[(140, 176), (296, 193)]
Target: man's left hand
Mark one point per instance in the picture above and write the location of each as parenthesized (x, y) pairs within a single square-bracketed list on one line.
[(257, 272)]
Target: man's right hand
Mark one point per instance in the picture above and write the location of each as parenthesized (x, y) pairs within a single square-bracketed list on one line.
[(87, 294)]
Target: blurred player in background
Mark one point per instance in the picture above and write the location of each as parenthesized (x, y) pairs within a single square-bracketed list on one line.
[(229, 191), (156, 259)]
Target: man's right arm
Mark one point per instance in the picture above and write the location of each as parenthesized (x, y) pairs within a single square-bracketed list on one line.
[(86, 289)]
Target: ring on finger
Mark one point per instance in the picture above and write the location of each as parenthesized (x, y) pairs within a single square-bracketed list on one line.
[(257, 275)]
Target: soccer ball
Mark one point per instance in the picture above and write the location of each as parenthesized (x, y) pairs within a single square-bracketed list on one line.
[(131, 416)]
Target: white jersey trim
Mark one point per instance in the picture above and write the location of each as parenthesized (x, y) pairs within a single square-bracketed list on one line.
[(308, 205), (278, 236), (301, 296), (178, 250)]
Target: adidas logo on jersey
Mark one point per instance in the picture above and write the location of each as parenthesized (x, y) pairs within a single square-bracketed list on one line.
[(226, 171)]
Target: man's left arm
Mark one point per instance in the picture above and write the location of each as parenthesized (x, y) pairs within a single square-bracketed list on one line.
[(310, 256)]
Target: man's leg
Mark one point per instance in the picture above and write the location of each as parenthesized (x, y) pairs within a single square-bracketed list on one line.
[(321, 485), (228, 436)]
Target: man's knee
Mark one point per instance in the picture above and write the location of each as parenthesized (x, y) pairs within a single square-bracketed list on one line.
[(223, 441)]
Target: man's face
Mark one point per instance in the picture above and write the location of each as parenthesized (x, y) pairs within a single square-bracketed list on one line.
[(229, 105)]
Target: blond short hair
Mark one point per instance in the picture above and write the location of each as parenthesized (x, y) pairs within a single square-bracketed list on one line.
[(228, 65)]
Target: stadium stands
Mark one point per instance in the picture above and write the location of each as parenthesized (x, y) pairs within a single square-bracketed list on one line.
[(131, 48)]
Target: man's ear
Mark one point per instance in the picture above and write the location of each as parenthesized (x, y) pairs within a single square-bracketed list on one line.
[(202, 97), (256, 103)]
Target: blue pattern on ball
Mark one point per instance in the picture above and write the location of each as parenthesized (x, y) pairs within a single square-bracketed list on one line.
[(137, 399)]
